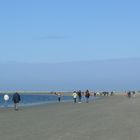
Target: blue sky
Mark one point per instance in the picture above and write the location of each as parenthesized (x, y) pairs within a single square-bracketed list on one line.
[(54, 31), (69, 44)]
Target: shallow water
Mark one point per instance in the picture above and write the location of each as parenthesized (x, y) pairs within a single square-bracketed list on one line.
[(33, 99)]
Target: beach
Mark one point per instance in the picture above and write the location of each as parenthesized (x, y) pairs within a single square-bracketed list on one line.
[(110, 118)]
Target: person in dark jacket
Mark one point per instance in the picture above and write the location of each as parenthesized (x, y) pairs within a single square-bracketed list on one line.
[(79, 93), (16, 99), (59, 97), (87, 95), (129, 94)]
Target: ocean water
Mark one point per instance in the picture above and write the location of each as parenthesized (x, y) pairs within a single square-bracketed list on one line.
[(33, 99)]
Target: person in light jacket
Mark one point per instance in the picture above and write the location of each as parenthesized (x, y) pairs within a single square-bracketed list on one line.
[(74, 95)]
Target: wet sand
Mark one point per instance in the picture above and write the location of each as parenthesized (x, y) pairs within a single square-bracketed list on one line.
[(111, 118)]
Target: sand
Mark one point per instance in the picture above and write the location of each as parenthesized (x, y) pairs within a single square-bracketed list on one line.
[(111, 118)]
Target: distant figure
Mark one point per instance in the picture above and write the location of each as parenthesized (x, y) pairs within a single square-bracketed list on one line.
[(6, 99), (59, 97), (98, 94), (129, 94), (94, 94), (87, 95), (79, 93), (104, 93), (111, 94), (134, 94), (74, 95), (16, 99)]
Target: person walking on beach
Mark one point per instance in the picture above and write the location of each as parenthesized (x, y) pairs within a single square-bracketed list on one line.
[(79, 93), (16, 99), (129, 94), (94, 94), (134, 94), (74, 95), (87, 95), (59, 97), (111, 94)]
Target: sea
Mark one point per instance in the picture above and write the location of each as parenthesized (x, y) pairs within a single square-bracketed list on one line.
[(37, 99)]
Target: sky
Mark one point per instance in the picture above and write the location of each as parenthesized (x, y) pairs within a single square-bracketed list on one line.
[(55, 31), (69, 44)]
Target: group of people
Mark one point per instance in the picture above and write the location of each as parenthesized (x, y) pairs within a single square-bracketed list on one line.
[(78, 95), (131, 94), (16, 99)]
